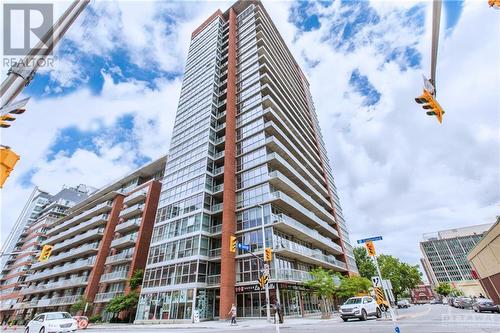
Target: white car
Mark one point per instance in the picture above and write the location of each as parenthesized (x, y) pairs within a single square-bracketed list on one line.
[(52, 322), (359, 307)]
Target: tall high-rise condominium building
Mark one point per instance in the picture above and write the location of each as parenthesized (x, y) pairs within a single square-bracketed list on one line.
[(25, 240), (445, 257), (246, 144)]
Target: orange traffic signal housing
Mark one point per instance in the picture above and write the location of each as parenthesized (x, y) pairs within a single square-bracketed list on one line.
[(46, 252), (8, 160), (268, 254), (370, 248), (429, 103), (232, 244)]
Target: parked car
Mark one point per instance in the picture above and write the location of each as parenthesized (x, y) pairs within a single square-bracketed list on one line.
[(484, 304), (464, 302), (403, 304), (52, 322), (360, 307)]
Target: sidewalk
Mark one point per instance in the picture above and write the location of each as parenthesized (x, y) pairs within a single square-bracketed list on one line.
[(216, 324)]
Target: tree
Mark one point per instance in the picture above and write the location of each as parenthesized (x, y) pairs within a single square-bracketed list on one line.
[(80, 306), (365, 264), (444, 289), (122, 303), (353, 285), (324, 285), (403, 276), (136, 279)]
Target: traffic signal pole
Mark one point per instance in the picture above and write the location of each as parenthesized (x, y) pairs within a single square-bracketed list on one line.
[(268, 306), (391, 311)]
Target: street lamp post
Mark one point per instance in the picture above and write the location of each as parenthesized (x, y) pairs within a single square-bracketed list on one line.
[(268, 307)]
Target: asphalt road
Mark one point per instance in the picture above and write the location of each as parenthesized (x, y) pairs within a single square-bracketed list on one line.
[(417, 319)]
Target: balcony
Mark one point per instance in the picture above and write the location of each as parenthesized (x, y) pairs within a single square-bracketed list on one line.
[(219, 155), (90, 235), (128, 225), (216, 229), (119, 258), (218, 171), (214, 253), (75, 252), (305, 233), (69, 283), (302, 253), (136, 197), (279, 180), (101, 208), (65, 300), (76, 266), (131, 211), (292, 275), (213, 280), (218, 189), (217, 207), (124, 241), (92, 223), (105, 297), (114, 276), (303, 213)]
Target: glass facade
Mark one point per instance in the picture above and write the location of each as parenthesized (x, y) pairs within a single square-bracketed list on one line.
[(283, 181)]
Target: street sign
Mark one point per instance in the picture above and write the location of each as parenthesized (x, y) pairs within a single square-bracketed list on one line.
[(376, 281), (242, 246), (364, 240)]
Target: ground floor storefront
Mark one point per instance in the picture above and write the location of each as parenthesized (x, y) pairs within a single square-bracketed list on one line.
[(194, 304)]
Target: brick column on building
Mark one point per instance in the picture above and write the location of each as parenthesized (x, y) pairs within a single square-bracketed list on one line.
[(145, 232), (228, 263), (102, 254)]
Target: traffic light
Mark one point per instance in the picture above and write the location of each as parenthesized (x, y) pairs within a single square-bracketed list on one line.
[(8, 160), (494, 3), (232, 244), (268, 254), (46, 252), (263, 281), (430, 103), (370, 248), (7, 112)]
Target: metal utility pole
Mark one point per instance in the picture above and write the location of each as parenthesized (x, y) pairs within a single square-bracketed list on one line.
[(22, 73), (436, 20), (268, 307)]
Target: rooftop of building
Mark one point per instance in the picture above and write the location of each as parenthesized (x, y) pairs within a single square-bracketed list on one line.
[(457, 232)]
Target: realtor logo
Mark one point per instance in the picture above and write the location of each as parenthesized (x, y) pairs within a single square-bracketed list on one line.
[(24, 26)]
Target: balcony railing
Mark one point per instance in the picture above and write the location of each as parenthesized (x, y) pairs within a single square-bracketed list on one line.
[(124, 256), (80, 264), (313, 234), (307, 253), (114, 276), (66, 255), (217, 207), (73, 282), (215, 229), (105, 297), (74, 230), (135, 209), (293, 275), (137, 195), (79, 238), (217, 188), (104, 206), (213, 280), (214, 253), (127, 225), (64, 300), (122, 241), (218, 171)]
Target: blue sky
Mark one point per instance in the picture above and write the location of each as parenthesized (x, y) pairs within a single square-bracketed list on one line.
[(111, 102)]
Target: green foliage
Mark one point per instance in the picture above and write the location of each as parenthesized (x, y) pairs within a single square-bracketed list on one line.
[(402, 275), (79, 306), (365, 264), (351, 286), (444, 289), (136, 279), (95, 319), (324, 284), (123, 302), (456, 292)]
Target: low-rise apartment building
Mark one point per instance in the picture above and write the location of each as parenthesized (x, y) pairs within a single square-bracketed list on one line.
[(98, 245)]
